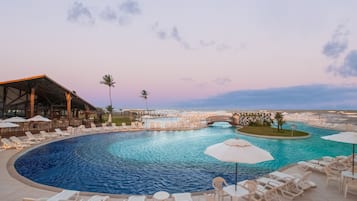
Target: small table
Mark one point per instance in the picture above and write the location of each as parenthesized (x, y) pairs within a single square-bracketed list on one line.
[(161, 195), (240, 192), (347, 175)]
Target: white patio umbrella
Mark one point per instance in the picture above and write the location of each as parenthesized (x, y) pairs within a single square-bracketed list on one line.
[(39, 118), (345, 137), (7, 125), (15, 120), (238, 151)]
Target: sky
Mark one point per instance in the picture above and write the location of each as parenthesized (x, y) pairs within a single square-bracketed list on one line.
[(180, 50)]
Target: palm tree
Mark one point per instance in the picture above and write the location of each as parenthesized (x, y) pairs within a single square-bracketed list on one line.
[(279, 117), (144, 94), (109, 81)]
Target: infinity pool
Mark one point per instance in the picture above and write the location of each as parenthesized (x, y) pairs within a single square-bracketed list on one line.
[(146, 162)]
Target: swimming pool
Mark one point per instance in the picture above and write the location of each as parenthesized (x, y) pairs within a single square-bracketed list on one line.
[(146, 162)]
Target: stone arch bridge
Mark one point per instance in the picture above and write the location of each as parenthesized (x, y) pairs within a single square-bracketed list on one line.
[(221, 118)]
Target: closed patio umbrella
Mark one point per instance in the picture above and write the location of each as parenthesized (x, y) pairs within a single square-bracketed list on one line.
[(238, 151), (345, 137), (39, 118)]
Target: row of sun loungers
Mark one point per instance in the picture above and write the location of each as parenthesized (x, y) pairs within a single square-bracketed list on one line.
[(30, 139), (340, 163), (277, 184), (274, 186), (68, 195), (71, 195), (337, 170)]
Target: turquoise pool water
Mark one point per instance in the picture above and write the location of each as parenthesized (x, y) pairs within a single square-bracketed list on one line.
[(146, 162)]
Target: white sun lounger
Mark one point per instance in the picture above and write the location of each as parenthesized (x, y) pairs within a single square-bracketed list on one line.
[(98, 198), (17, 141), (61, 133), (182, 196), (48, 135), (281, 176), (301, 180), (320, 162), (7, 144), (271, 182), (137, 198), (307, 165), (31, 137), (64, 195)]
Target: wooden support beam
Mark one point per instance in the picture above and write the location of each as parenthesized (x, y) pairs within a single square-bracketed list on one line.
[(15, 99), (32, 102), (68, 99)]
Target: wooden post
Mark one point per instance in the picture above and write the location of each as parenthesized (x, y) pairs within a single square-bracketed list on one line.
[(68, 98), (32, 102), (4, 101)]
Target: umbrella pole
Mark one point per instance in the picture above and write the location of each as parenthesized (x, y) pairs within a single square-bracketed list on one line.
[(353, 159), (236, 176)]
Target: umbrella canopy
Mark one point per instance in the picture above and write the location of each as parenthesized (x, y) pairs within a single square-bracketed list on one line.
[(345, 137), (238, 151), (15, 120), (7, 125), (39, 118)]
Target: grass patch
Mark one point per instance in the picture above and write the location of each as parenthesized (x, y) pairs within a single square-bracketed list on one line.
[(118, 120), (269, 131)]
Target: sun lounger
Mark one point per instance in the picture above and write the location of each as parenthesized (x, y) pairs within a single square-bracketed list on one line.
[(64, 195), (31, 137), (48, 135), (98, 198), (61, 133), (137, 198), (270, 182), (320, 162), (82, 129), (182, 196), (290, 190), (94, 128), (328, 158), (281, 176), (261, 190), (300, 180), (303, 181), (271, 195), (307, 165), (7, 144), (17, 141)]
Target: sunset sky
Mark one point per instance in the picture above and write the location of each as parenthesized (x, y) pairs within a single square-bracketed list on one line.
[(179, 50)]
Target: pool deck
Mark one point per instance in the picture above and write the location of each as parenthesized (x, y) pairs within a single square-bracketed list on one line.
[(15, 188)]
